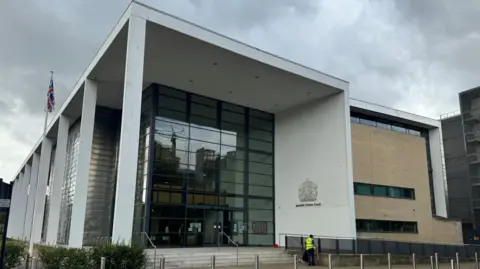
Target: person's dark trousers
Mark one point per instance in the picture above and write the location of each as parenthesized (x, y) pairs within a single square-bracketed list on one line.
[(311, 257)]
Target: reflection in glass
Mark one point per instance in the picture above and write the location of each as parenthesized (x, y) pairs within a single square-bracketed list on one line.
[(201, 163)]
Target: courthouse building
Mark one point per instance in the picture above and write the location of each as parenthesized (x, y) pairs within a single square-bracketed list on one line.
[(179, 133)]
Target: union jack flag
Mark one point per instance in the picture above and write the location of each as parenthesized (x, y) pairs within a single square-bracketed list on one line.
[(51, 96)]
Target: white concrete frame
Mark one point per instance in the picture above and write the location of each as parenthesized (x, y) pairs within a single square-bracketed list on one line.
[(31, 195), (23, 206), (77, 221), (129, 133), (13, 220), (17, 205), (40, 192), (58, 179)]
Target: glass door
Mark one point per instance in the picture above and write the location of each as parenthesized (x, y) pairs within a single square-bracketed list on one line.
[(213, 226)]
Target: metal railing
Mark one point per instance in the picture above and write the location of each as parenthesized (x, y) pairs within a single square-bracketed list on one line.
[(154, 248), (378, 246), (229, 240), (102, 240)]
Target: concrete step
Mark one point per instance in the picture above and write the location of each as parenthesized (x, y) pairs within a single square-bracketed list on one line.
[(202, 258)]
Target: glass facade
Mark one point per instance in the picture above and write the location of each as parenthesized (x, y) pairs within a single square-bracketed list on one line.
[(48, 195), (68, 188), (205, 167)]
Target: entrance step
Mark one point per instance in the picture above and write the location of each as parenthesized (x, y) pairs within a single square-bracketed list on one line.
[(227, 256)]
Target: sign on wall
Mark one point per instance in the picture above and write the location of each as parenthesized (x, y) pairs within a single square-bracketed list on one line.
[(308, 194)]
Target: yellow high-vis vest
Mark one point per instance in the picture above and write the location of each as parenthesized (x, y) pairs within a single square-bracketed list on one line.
[(309, 244)]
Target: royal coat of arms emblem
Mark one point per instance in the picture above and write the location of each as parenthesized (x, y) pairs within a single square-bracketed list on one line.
[(308, 191)]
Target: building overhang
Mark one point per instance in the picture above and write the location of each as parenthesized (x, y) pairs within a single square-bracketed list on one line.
[(183, 55), (388, 113)]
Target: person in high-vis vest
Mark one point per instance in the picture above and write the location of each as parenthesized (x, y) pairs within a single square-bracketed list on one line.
[(310, 248)]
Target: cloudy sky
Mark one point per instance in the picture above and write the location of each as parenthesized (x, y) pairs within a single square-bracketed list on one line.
[(408, 54)]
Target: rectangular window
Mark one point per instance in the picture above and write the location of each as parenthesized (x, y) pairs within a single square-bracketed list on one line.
[(380, 191), (384, 124), (368, 122), (386, 226), (383, 191), (362, 189)]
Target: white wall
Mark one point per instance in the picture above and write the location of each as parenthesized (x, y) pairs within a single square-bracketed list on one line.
[(435, 137), (313, 142)]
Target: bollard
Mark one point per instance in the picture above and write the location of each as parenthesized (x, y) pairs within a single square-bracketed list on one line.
[(431, 262), (162, 263), (103, 261), (476, 260), (414, 261), (361, 261), (213, 262), (34, 263), (295, 261), (257, 262), (452, 264), (436, 260), (389, 260), (457, 259), (329, 261)]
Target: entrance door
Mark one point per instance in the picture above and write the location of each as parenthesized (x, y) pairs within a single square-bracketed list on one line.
[(213, 226)]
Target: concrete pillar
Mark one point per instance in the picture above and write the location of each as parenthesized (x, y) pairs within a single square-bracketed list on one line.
[(58, 178), (129, 133), (31, 195), (23, 204), (83, 167), (12, 221), (40, 192)]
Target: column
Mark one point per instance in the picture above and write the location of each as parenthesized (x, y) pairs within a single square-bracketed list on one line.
[(129, 133), (40, 192), (58, 178), (16, 231), (31, 195), (83, 167), (12, 221), (23, 205)]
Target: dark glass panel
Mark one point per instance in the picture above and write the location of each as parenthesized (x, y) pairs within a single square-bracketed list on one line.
[(233, 117), (260, 145), (171, 114), (261, 135), (260, 157), (171, 92), (362, 189), (204, 111), (262, 180), (231, 176), (261, 124), (260, 168), (260, 191), (172, 104), (231, 188), (260, 203)]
